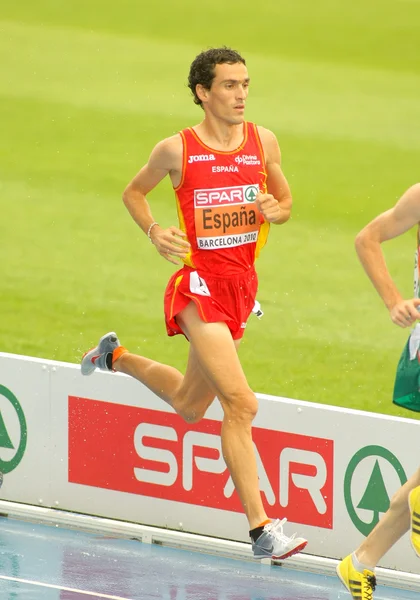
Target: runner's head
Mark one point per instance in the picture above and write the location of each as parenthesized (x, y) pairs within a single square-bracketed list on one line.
[(218, 80)]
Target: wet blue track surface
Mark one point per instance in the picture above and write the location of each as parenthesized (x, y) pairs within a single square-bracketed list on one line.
[(82, 566)]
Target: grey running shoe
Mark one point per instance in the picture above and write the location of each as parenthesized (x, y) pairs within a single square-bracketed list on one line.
[(98, 357), (273, 543)]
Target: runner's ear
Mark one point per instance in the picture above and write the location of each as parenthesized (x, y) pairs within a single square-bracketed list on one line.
[(201, 92)]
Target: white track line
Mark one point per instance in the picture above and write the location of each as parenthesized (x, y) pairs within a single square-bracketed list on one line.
[(65, 589)]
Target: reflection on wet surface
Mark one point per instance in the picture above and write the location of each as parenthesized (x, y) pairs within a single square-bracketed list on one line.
[(81, 566)]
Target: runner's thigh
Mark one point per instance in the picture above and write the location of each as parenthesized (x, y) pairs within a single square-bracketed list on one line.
[(216, 353)]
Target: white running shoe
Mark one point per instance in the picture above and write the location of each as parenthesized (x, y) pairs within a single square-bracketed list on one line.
[(273, 543), (100, 357)]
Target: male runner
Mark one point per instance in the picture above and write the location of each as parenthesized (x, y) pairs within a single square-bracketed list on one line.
[(356, 571), (229, 187)]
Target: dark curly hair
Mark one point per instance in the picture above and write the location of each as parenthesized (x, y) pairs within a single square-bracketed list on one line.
[(202, 67)]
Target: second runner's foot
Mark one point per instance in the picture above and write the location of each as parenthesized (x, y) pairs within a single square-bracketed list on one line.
[(361, 585), (273, 543), (414, 503), (100, 357)]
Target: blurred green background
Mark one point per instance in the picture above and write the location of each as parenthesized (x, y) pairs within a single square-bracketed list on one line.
[(87, 89)]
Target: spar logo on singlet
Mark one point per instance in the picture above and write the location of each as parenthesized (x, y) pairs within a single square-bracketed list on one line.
[(226, 217)]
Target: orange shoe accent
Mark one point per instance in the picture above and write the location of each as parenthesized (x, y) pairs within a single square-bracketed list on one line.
[(266, 522), (117, 353)]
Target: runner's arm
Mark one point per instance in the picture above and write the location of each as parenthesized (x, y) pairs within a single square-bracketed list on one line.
[(388, 225), (277, 185), (134, 197), (163, 161)]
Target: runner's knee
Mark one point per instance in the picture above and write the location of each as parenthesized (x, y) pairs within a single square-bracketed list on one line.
[(241, 406), (191, 412)]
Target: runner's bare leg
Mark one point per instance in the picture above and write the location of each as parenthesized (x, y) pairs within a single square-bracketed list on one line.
[(190, 395), (393, 525), (219, 362), (213, 369)]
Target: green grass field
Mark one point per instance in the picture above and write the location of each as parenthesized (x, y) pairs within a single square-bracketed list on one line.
[(87, 89)]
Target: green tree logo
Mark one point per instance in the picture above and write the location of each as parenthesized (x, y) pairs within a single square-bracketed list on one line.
[(5, 440), (375, 497), (251, 193)]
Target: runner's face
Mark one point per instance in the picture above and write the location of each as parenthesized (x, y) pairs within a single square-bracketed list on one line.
[(228, 93)]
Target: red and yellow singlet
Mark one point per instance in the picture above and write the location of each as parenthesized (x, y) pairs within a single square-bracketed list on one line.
[(216, 203)]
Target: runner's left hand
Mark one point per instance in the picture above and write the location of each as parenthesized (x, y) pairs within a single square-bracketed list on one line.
[(268, 207)]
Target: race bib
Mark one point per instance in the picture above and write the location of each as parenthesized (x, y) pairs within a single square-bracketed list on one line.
[(226, 217)]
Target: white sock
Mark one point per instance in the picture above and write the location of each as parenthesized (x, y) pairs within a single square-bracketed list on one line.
[(358, 565)]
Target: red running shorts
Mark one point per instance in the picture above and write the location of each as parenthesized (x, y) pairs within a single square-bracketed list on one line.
[(218, 298)]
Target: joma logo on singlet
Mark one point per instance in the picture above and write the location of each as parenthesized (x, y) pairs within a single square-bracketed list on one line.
[(200, 157)]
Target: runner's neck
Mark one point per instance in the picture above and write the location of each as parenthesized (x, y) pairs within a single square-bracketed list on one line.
[(219, 135)]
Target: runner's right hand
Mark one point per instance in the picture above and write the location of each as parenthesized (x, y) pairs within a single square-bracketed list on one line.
[(171, 243), (405, 312)]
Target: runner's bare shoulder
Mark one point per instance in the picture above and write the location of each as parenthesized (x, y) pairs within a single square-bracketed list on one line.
[(270, 144), (268, 138), (167, 154), (265, 133)]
